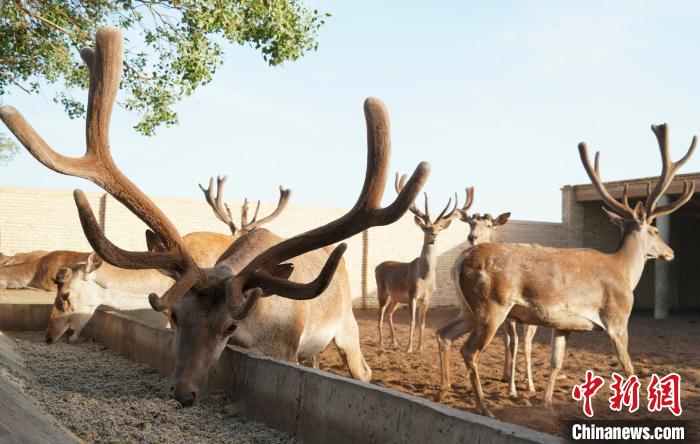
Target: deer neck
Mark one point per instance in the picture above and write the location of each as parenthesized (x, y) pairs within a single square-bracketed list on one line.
[(631, 254), (128, 289), (428, 260)]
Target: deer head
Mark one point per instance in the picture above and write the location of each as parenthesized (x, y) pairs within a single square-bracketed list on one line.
[(430, 227), (206, 305), (638, 220), (481, 228), (77, 298), (223, 212)]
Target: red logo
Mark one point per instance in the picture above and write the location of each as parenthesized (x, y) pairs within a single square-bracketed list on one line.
[(587, 390), (625, 393), (665, 393)]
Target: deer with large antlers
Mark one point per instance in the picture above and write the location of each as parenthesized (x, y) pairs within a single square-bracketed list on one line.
[(573, 289), (412, 283), (233, 300)]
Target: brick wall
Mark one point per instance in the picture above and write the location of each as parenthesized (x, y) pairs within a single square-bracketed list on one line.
[(41, 219)]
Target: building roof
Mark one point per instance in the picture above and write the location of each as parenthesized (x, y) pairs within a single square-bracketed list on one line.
[(637, 187)]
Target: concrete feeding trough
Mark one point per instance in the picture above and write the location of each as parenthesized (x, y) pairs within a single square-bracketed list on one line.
[(310, 405)]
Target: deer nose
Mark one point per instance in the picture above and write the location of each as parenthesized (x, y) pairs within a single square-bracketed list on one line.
[(185, 394), (471, 238)]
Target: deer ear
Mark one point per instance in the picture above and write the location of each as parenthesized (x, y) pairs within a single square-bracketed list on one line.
[(93, 263), (501, 219), (418, 222), (446, 224), (640, 212), (614, 217), (62, 275), (153, 242)]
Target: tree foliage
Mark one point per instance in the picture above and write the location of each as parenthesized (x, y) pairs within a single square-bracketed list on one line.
[(172, 47), (8, 148)]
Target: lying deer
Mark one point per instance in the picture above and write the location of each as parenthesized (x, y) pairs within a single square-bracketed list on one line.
[(85, 286), (92, 283), (21, 258), (248, 296), (571, 289), (39, 273), (412, 283)]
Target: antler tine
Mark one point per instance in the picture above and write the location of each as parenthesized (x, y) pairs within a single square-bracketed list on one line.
[(442, 215), (594, 175), (285, 195), (468, 201), (221, 210), (668, 168), (625, 196), (688, 191), (364, 214), (399, 185), (244, 213), (104, 65)]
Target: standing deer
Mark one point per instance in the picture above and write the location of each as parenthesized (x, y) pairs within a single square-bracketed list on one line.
[(248, 296), (483, 229), (567, 289), (85, 286), (412, 283)]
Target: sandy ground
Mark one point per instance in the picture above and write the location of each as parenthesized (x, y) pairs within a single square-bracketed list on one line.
[(655, 346), (100, 396)]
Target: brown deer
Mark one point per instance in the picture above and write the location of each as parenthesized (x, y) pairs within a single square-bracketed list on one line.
[(483, 229), (85, 286), (39, 273), (412, 283), (248, 296), (567, 289), (21, 258)]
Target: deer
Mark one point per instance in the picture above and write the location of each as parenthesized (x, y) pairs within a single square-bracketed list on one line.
[(482, 228), (566, 289), (85, 286), (39, 273), (21, 258), (278, 296), (82, 288), (412, 283)]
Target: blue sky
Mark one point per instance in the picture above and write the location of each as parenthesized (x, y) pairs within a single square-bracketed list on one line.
[(493, 94)]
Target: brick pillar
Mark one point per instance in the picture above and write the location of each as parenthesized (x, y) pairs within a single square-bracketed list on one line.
[(662, 269), (572, 217)]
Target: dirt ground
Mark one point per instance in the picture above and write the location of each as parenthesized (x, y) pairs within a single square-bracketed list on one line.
[(671, 345), (102, 397)]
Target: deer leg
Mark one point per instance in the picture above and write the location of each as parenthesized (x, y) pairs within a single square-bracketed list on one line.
[(382, 309), (506, 362), (445, 335), (422, 314), (412, 306), (393, 305), (530, 331), (480, 338), (619, 340), (512, 353), (557, 359), (348, 342)]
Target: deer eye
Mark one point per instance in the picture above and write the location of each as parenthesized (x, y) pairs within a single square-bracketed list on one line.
[(231, 328)]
